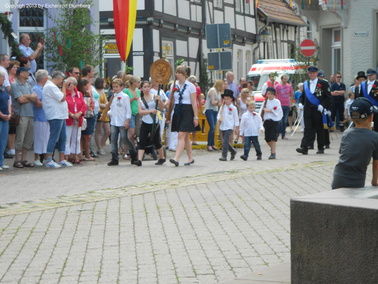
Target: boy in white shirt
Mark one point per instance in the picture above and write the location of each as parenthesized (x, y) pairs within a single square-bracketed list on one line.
[(120, 114), (228, 122), (250, 126), (271, 113)]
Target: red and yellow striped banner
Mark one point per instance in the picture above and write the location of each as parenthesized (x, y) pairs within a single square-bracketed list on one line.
[(124, 24)]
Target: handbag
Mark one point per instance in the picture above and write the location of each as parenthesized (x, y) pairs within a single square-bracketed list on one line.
[(14, 120), (84, 124)]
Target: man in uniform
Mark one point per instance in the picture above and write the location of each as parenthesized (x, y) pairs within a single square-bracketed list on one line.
[(316, 97), (369, 90)]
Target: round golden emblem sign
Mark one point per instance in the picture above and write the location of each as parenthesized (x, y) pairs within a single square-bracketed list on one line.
[(160, 71)]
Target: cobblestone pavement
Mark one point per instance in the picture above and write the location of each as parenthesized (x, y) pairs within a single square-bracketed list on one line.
[(207, 223)]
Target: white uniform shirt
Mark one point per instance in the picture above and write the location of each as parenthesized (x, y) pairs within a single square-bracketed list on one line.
[(275, 106), (230, 117), (189, 89), (120, 109), (52, 105), (251, 124)]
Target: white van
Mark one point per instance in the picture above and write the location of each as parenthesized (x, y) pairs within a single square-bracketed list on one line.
[(259, 74)]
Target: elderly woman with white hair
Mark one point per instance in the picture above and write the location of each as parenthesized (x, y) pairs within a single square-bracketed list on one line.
[(41, 125), (76, 111), (5, 115)]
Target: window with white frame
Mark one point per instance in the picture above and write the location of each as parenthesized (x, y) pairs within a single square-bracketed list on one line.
[(32, 21), (218, 4), (238, 6), (336, 50), (247, 7)]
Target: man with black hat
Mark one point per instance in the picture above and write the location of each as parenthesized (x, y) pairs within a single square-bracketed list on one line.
[(369, 90), (316, 98), (358, 146)]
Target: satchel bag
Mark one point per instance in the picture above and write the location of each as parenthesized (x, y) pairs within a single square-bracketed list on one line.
[(15, 120)]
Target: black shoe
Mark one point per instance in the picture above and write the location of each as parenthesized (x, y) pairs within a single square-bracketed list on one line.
[(113, 163), (189, 163), (174, 162), (259, 158), (302, 151), (222, 159), (233, 156), (327, 146), (138, 163), (93, 155), (272, 156), (160, 162), (244, 158), (8, 156), (320, 151)]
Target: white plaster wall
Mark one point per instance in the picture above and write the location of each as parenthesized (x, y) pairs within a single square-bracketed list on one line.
[(170, 7), (184, 10), (156, 40), (181, 48), (250, 25), (229, 16), (138, 65), (193, 46), (240, 22), (195, 12), (218, 17), (159, 5), (138, 40)]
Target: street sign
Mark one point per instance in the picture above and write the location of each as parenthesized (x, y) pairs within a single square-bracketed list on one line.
[(218, 36), (307, 47), (219, 60)]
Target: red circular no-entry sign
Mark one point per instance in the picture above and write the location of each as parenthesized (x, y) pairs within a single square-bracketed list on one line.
[(307, 47)]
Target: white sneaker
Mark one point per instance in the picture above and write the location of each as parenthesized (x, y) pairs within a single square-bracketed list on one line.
[(101, 152), (4, 167), (52, 164), (37, 163), (64, 163)]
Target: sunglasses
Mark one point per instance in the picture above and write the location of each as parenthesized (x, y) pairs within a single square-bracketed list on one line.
[(338, 77), (77, 73)]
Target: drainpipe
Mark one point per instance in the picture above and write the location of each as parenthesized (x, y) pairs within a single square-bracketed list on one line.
[(258, 40)]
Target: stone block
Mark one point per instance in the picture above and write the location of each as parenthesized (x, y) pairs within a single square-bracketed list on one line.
[(334, 237)]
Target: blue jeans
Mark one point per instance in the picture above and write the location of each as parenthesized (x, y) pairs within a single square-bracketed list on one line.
[(4, 126), (211, 117), (283, 123), (114, 132), (256, 144), (57, 134)]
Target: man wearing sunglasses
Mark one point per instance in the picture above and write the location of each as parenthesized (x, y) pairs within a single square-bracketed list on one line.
[(338, 90)]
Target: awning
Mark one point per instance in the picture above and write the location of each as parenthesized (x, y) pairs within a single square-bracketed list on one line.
[(279, 11)]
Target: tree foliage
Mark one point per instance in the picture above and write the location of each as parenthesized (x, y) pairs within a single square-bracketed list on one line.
[(70, 42)]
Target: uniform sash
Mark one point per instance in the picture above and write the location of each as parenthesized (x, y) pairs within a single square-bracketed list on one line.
[(310, 96), (366, 95)]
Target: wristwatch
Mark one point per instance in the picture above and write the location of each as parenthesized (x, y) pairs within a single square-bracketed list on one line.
[(195, 117)]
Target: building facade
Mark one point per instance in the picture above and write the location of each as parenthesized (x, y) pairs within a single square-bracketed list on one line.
[(347, 34)]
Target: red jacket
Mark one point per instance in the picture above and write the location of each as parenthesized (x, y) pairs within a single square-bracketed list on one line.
[(78, 99)]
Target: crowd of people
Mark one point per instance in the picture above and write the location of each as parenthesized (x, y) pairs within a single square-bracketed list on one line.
[(41, 112)]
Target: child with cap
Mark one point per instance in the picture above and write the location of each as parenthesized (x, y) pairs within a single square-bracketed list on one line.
[(358, 145), (228, 122), (271, 113), (250, 126)]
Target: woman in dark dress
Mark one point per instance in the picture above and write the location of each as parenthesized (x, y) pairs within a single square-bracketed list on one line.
[(185, 113)]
